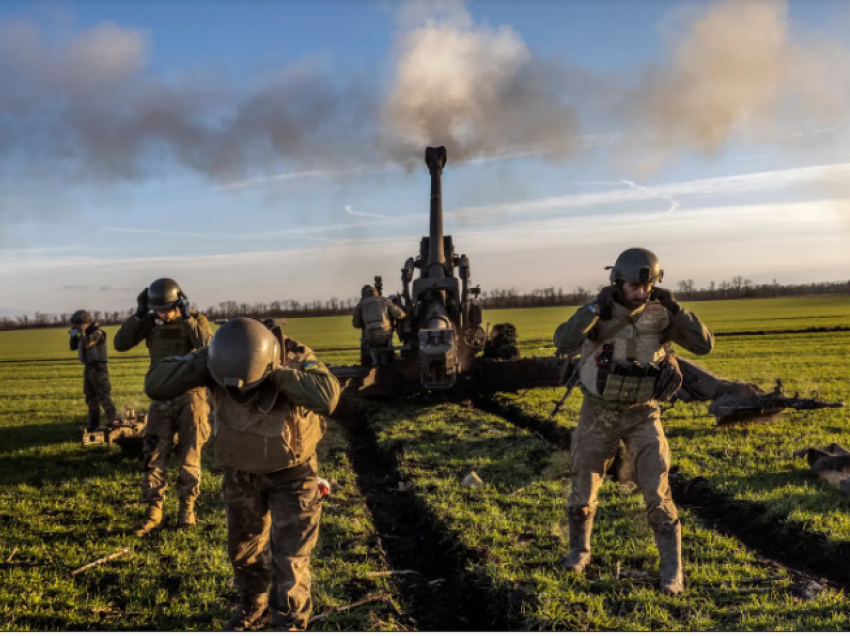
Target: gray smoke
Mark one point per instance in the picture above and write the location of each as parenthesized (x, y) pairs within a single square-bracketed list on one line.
[(91, 109)]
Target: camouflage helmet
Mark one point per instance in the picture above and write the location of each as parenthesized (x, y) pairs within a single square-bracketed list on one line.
[(367, 290), (81, 317), (243, 352), (164, 293), (637, 265)]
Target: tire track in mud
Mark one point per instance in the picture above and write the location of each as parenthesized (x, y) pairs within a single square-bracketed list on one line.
[(806, 553), (446, 595)]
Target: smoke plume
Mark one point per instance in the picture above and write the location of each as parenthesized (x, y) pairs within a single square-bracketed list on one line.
[(92, 109), (733, 69)]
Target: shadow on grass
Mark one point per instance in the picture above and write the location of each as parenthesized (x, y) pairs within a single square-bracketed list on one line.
[(25, 436), (80, 464)]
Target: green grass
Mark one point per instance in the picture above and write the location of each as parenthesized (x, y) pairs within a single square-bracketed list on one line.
[(536, 326), (66, 504), (519, 537)]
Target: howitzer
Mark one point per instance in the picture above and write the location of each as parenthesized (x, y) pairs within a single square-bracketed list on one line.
[(444, 329), (737, 402)]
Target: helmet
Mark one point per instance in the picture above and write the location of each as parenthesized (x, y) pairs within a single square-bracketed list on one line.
[(367, 290), (163, 294), (637, 265), (243, 352), (80, 317)]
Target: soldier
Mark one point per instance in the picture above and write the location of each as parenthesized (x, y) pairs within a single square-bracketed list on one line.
[(163, 320), (624, 335), (267, 405), (89, 341), (372, 314)]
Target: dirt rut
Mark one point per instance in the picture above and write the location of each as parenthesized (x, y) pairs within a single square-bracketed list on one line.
[(788, 543)]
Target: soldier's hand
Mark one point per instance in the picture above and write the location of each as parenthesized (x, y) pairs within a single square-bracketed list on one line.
[(183, 306), (667, 299), (606, 299), (142, 303)]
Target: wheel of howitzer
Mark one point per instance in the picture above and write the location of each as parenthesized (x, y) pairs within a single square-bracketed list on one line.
[(475, 337)]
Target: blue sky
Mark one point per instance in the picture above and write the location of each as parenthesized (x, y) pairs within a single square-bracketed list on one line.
[(274, 150)]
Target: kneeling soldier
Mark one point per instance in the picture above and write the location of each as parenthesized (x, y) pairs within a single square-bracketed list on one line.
[(89, 341), (267, 426), (624, 367)]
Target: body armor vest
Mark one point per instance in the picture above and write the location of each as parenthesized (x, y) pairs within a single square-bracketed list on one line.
[(97, 353), (168, 340), (375, 316), (638, 340), (248, 439)]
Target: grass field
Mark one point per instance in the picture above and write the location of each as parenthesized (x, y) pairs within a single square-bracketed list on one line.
[(487, 558)]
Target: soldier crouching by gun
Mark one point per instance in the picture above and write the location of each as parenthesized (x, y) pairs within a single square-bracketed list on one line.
[(89, 341), (372, 314), (624, 368), (267, 404)]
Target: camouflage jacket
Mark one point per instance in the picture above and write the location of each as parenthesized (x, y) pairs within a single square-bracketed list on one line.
[(91, 346), (373, 314), (174, 338), (264, 435), (683, 329)]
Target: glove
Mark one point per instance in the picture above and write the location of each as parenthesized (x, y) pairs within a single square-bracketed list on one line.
[(183, 306), (667, 300), (74, 332), (606, 299), (142, 307)]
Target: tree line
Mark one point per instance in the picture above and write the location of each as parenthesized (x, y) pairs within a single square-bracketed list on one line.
[(736, 288)]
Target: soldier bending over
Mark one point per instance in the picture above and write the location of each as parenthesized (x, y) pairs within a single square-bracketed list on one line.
[(267, 404)]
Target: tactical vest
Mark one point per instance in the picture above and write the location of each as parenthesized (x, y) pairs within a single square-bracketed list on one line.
[(168, 340), (97, 353), (248, 439), (639, 340), (375, 316)]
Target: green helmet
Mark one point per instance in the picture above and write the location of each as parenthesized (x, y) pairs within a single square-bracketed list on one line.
[(81, 317), (164, 293), (637, 265), (243, 352), (367, 290)]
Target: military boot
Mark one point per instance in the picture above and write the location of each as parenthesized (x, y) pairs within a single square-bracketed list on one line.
[(186, 514), (249, 614), (669, 541), (580, 528), (94, 423), (153, 517)]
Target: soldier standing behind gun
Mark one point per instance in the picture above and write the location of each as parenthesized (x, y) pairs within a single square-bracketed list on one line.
[(624, 367), (89, 341), (372, 315), (267, 403), (170, 329)]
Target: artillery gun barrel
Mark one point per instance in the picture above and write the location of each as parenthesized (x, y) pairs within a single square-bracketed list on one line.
[(435, 159)]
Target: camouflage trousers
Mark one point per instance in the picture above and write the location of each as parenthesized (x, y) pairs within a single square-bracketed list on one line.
[(272, 526), (188, 417), (378, 342), (595, 441), (98, 390)]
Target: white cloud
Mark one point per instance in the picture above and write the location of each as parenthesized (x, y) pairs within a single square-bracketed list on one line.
[(835, 174), (792, 242)]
